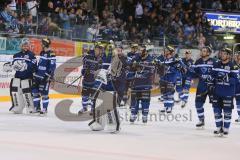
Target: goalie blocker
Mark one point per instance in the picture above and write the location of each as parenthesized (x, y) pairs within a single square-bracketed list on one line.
[(21, 95)]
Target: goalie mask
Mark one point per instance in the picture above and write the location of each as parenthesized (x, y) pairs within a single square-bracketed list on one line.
[(25, 44)]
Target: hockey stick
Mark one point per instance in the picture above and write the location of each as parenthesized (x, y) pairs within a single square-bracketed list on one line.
[(71, 84)]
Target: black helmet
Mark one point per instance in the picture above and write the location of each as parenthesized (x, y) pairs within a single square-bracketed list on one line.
[(46, 42)]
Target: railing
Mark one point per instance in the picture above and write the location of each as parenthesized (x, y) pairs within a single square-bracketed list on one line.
[(52, 25)]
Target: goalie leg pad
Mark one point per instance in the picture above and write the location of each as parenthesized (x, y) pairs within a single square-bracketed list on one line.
[(98, 123), (112, 117), (16, 96), (27, 94)]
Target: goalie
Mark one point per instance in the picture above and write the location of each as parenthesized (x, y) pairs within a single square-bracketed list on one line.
[(24, 63), (102, 83)]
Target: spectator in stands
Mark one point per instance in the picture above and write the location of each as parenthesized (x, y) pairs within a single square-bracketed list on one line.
[(32, 7), (237, 5), (217, 5), (63, 14), (228, 6), (9, 22), (201, 41), (118, 13), (80, 17), (139, 12), (92, 32), (13, 5)]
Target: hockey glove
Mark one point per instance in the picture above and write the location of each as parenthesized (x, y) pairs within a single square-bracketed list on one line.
[(19, 65)]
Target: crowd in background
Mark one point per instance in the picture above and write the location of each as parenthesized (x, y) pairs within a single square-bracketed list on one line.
[(182, 21)]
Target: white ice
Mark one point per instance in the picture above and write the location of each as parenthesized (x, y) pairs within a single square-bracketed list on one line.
[(24, 137)]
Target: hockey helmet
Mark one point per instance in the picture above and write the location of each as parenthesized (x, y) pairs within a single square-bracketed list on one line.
[(46, 42), (25, 42), (209, 49), (134, 45), (99, 45), (227, 50), (170, 48)]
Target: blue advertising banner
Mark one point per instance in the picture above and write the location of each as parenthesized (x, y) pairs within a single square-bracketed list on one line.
[(10, 46), (224, 22)]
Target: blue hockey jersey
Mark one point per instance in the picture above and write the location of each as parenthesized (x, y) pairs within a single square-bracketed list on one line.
[(171, 68), (202, 70), (30, 59), (141, 74), (91, 64), (46, 65), (224, 78), (188, 63)]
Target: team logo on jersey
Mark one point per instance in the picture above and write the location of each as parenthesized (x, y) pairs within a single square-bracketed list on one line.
[(26, 56), (227, 68), (204, 70), (221, 74)]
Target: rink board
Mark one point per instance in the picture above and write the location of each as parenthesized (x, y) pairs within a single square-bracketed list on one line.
[(5, 78)]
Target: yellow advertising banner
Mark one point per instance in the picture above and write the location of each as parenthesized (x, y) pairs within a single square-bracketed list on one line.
[(79, 46)]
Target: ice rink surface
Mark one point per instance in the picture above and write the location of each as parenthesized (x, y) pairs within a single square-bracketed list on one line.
[(24, 137)]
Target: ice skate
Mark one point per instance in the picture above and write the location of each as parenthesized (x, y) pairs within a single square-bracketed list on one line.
[(160, 99), (218, 132), (200, 124), (183, 104), (163, 110), (144, 119), (133, 118), (238, 120), (43, 112), (83, 110), (169, 110)]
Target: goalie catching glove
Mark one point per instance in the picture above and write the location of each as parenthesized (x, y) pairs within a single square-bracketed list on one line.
[(19, 65)]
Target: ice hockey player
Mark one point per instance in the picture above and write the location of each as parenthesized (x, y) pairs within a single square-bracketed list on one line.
[(223, 83), (237, 95), (202, 69), (130, 56), (42, 77), (141, 80), (186, 78), (172, 66), (91, 62), (24, 63)]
